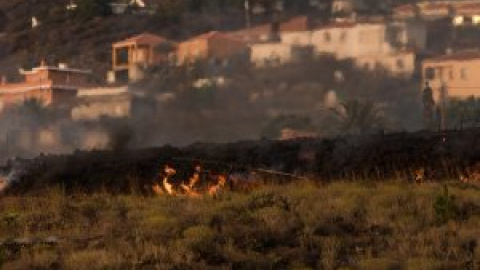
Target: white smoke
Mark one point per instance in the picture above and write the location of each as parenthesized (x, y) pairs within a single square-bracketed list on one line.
[(3, 184), (331, 100), (10, 174)]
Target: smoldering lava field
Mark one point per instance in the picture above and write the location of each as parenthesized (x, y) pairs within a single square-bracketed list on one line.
[(396, 201)]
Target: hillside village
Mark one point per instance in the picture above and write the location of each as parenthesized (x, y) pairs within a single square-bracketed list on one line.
[(416, 44), (240, 134)]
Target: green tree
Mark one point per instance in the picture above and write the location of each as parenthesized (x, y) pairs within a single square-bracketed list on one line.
[(170, 11), (89, 9), (359, 117), (463, 113)]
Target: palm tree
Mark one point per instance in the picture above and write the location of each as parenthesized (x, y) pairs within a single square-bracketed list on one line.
[(359, 117)]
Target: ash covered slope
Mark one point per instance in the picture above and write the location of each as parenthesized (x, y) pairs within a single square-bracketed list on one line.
[(375, 157)]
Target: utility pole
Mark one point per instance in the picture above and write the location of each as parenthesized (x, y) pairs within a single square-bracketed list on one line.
[(247, 13), (443, 104), (428, 106)]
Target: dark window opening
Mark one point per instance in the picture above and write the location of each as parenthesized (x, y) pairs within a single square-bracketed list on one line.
[(122, 56), (430, 74)]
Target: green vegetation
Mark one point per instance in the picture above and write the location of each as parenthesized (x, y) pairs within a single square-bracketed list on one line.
[(88, 9), (461, 114), (296, 226), (359, 117), (444, 206)]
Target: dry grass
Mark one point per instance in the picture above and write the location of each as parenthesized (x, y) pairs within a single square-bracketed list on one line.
[(297, 226)]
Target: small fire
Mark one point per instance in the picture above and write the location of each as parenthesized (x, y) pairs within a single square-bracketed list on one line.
[(195, 177), (419, 175), (472, 175), (9, 175), (169, 172), (191, 189), (215, 189)]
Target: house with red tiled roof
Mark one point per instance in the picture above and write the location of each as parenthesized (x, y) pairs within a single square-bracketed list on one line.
[(456, 73), (50, 85), (212, 46), (132, 55)]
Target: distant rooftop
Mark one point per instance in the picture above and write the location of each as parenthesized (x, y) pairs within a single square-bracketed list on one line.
[(462, 7), (60, 67), (296, 24), (460, 56), (144, 38), (214, 35)]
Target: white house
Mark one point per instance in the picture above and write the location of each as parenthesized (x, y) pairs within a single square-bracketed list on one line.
[(390, 45), (270, 54), (356, 39), (97, 102)]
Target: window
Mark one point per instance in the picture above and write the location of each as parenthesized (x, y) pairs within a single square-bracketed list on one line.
[(450, 74), (343, 36), (468, 20), (463, 73), (400, 64), (327, 37), (430, 73), (122, 56), (439, 73)]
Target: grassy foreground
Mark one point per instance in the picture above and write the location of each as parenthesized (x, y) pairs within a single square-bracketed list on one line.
[(296, 226)]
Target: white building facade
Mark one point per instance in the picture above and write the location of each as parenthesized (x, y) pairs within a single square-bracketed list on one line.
[(391, 46)]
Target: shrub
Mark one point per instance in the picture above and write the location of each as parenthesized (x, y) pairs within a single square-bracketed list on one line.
[(423, 264), (380, 264), (444, 206), (330, 252), (200, 239), (265, 199), (91, 259), (2, 257), (10, 222), (89, 9)]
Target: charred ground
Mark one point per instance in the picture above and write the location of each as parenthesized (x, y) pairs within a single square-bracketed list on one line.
[(440, 156)]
